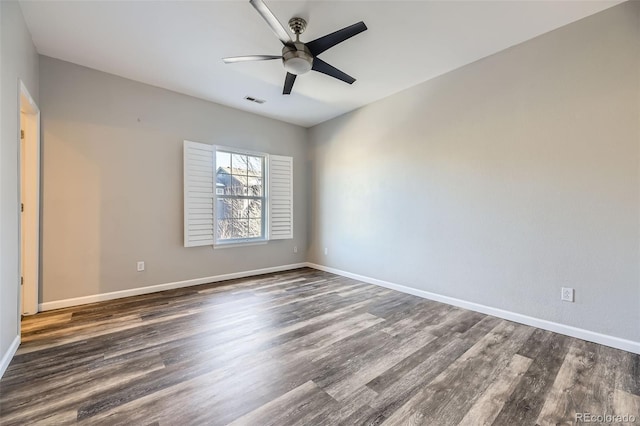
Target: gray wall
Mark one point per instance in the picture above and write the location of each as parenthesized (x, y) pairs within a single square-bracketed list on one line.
[(500, 182), (19, 61), (112, 173)]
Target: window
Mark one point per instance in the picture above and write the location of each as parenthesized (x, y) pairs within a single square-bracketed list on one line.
[(234, 196), (240, 196)]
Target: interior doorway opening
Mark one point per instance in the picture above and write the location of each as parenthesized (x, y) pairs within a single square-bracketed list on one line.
[(29, 177)]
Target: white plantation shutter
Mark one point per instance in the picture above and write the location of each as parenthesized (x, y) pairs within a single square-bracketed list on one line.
[(280, 197), (199, 184)]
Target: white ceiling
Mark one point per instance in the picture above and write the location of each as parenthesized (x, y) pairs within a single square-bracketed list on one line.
[(178, 45)]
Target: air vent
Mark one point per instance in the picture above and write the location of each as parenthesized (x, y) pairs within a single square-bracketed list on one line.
[(255, 100)]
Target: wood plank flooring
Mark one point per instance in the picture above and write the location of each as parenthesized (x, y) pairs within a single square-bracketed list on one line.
[(304, 347)]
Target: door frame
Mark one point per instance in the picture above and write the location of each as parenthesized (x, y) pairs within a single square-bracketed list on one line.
[(29, 215)]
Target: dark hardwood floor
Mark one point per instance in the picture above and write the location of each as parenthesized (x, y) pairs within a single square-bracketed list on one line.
[(304, 347)]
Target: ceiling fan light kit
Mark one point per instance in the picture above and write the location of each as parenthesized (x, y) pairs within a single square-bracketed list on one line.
[(298, 57)]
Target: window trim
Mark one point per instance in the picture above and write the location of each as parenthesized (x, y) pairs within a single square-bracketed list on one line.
[(239, 242)]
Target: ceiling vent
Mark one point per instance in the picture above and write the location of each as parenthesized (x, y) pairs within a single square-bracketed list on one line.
[(255, 100)]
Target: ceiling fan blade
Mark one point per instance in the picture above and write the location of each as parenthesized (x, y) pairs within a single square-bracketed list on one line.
[(250, 58), (273, 22), (288, 83), (323, 67), (321, 44)]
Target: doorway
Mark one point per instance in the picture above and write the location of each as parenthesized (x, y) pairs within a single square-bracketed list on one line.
[(29, 177)]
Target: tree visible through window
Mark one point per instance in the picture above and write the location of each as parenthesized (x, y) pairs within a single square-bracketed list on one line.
[(240, 197)]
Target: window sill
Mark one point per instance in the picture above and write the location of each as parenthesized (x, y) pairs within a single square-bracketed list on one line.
[(239, 244)]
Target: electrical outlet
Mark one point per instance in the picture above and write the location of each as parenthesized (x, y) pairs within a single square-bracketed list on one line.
[(567, 294), (326, 251), (295, 249), (140, 266)]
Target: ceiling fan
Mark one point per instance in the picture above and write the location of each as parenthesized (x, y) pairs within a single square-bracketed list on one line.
[(298, 57)]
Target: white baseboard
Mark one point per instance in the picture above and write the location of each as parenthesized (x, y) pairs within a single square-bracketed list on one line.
[(65, 303), (591, 336), (8, 356)]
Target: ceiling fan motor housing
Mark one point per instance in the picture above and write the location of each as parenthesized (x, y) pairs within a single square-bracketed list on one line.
[(297, 58)]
